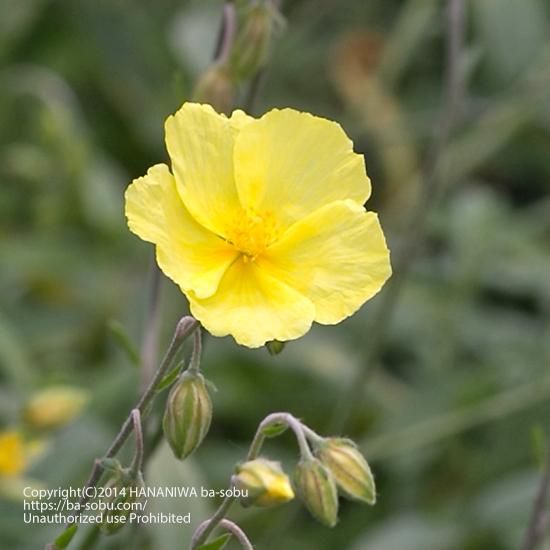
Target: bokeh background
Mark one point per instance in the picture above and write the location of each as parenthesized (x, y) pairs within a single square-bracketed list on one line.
[(452, 406)]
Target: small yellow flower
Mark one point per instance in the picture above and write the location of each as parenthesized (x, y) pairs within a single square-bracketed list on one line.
[(54, 407), (261, 222), (12, 454)]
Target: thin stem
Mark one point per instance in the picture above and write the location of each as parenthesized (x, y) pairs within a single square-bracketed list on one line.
[(149, 348), (537, 521), (195, 361), (184, 328), (239, 534), (454, 92), (227, 32), (279, 418), (311, 435), (137, 463), (206, 527)]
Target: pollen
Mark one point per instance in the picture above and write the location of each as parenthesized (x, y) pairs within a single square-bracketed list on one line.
[(252, 233)]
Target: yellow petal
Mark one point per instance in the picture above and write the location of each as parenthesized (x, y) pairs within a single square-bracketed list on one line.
[(254, 307), (292, 163), (193, 257), (239, 119), (337, 257), (200, 143)]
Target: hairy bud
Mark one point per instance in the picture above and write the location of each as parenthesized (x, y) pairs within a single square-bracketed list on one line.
[(188, 414), (265, 482), (254, 40), (316, 488), (351, 471), (216, 87)]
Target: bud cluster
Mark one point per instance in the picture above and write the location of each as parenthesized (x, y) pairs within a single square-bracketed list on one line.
[(242, 55)]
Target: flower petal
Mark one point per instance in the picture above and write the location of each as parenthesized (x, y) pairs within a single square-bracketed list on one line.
[(200, 143), (254, 307), (337, 257), (193, 257), (292, 163)]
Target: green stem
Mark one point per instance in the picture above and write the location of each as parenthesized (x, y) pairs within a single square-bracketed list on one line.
[(195, 361), (137, 463), (279, 418), (184, 329), (204, 530)]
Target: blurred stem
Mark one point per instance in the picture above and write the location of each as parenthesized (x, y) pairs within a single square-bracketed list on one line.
[(151, 327), (434, 429), (536, 527), (227, 32), (454, 94)]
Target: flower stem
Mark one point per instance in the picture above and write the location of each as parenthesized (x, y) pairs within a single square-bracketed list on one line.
[(184, 329), (279, 418), (206, 527), (137, 463)]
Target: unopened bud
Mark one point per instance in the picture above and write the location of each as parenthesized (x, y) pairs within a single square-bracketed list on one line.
[(216, 87), (253, 41), (122, 491), (53, 407), (351, 471), (316, 488), (264, 481), (274, 347), (188, 414)]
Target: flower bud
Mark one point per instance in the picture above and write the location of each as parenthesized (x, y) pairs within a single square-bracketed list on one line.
[(351, 472), (274, 347), (253, 41), (217, 88), (121, 492), (188, 414), (315, 486), (265, 482), (53, 407)]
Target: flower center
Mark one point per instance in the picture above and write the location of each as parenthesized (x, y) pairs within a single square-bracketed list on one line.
[(252, 233)]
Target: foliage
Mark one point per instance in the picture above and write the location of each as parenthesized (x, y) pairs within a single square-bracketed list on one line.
[(446, 417)]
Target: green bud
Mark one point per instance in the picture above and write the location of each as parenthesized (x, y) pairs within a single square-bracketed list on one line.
[(351, 471), (188, 414), (121, 491), (217, 88), (315, 486), (274, 347), (264, 481), (254, 40)]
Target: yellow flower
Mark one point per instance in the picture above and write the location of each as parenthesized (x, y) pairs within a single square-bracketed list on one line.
[(54, 407), (261, 222), (12, 454)]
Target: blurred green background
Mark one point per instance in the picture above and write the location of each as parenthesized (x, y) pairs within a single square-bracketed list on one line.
[(452, 416)]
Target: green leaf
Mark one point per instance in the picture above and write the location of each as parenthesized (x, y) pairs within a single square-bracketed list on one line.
[(274, 430), (169, 379), (216, 544), (63, 540), (116, 328)]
